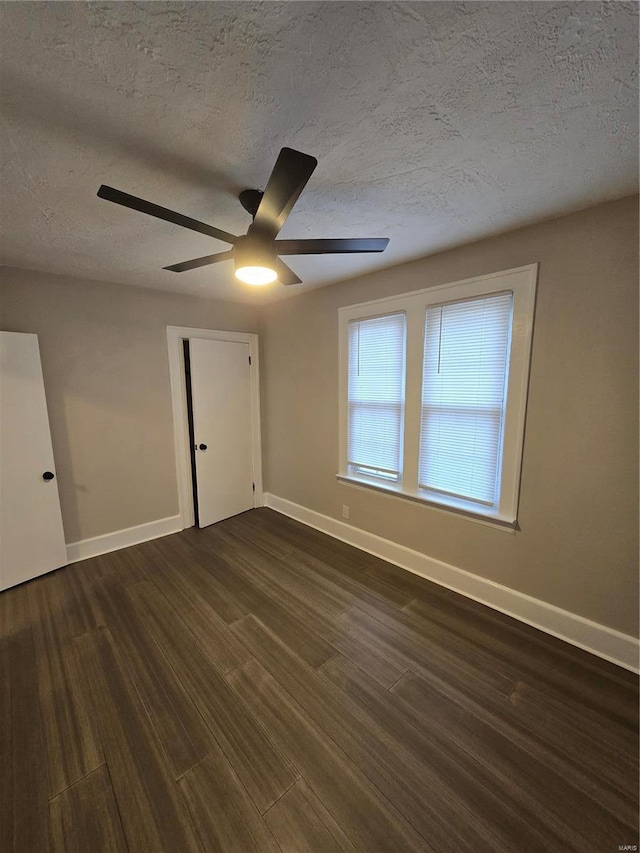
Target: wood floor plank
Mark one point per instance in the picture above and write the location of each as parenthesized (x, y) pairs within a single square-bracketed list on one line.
[(81, 608), (14, 610), (23, 771), (410, 584), (346, 590), (284, 572), (72, 746), (85, 817), (100, 566), (385, 655), (594, 742), (151, 809), (273, 607), (132, 565), (369, 820), (302, 824), (454, 658), (210, 631), (260, 523), (262, 767), (366, 651), (224, 815), (211, 634), (337, 558), (594, 814), (349, 641), (490, 799), (269, 599), (178, 726), (567, 660), (536, 657), (428, 799), (177, 569)]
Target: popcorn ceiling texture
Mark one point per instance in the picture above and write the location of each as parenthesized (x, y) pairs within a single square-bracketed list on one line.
[(434, 124)]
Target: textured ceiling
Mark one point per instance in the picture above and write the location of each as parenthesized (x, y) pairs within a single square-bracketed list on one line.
[(433, 123)]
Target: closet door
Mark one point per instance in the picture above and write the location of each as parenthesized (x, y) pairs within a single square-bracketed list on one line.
[(31, 534), (221, 393)]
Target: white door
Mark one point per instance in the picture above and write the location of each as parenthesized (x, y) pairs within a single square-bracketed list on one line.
[(31, 534), (221, 402)]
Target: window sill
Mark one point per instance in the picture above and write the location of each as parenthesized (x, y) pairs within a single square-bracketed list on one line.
[(396, 492)]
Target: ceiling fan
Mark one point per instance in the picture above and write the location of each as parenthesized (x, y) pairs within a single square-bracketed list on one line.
[(257, 254)]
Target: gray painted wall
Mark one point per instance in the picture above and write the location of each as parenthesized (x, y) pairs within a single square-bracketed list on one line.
[(106, 373), (578, 543)]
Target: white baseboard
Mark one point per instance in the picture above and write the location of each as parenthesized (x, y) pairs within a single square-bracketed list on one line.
[(122, 538), (600, 640)]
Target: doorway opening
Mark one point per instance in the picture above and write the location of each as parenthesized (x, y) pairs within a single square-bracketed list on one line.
[(216, 419)]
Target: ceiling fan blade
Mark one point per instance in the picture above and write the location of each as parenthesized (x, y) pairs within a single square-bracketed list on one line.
[(289, 177), (326, 247), (285, 274), (200, 262), (135, 203)]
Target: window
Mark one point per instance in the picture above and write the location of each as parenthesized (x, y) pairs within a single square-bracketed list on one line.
[(376, 396), (466, 349), (433, 393)]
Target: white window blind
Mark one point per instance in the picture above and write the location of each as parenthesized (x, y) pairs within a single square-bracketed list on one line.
[(376, 396), (466, 357)]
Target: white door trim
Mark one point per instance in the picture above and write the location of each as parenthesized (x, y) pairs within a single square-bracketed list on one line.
[(175, 336)]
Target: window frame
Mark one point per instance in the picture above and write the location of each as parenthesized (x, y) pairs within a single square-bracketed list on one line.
[(522, 282)]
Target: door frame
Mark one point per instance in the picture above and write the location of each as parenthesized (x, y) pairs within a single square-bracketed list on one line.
[(175, 336)]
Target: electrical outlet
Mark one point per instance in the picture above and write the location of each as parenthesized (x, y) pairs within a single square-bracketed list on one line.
[(345, 512)]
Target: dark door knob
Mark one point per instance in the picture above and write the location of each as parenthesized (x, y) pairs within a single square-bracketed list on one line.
[(203, 447), (48, 475)]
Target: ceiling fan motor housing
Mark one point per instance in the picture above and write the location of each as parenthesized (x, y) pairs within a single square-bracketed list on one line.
[(254, 250)]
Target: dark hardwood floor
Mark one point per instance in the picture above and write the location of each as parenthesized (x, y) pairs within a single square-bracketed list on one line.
[(258, 686)]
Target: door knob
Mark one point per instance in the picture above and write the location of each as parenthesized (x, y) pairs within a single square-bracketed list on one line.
[(203, 447), (48, 475)]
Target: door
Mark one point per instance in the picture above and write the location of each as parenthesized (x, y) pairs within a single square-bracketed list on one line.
[(221, 405), (31, 534)]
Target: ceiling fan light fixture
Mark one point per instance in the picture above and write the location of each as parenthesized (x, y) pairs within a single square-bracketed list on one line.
[(256, 274), (255, 260)]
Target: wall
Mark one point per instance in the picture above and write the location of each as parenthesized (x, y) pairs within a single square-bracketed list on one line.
[(106, 373), (577, 546)]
